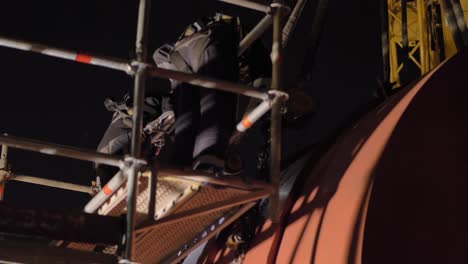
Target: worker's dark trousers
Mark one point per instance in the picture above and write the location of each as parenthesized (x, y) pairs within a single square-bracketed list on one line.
[(205, 118)]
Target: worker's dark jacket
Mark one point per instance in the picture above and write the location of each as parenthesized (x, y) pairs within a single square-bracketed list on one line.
[(205, 118)]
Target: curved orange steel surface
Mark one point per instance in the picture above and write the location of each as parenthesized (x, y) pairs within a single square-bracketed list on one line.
[(406, 148), (326, 223)]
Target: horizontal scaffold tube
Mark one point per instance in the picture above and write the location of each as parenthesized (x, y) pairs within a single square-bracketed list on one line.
[(249, 4), (248, 121), (52, 183), (61, 150), (129, 67), (254, 115), (207, 82), (115, 64)]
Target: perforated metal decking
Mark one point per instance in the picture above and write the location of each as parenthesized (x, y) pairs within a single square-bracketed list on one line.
[(169, 241)]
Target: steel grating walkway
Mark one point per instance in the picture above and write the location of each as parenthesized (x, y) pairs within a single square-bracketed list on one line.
[(169, 241)]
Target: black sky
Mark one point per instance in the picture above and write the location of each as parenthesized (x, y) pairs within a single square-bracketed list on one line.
[(62, 102)]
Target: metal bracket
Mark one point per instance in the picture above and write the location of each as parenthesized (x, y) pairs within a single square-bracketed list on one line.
[(278, 95), (129, 161)]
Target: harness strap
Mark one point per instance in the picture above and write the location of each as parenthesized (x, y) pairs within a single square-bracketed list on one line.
[(150, 105)]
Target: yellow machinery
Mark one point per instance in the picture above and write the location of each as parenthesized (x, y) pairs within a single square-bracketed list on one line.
[(421, 34)]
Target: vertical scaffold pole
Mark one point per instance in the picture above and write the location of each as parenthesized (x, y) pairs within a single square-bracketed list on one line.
[(3, 157), (385, 43), (135, 152), (3, 169), (276, 84)]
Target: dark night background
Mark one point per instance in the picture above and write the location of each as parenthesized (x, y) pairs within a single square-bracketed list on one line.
[(62, 102)]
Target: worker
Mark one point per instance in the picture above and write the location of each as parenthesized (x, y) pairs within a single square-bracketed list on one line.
[(204, 118)]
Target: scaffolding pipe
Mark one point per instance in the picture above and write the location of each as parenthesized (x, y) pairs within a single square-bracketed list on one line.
[(249, 120), (453, 24), (115, 64), (3, 169), (254, 34), (51, 183), (206, 82), (460, 18), (293, 20), (276, 85), (129, 67), (385, 46), (137, 118), (4, 157), (61, 150), (101, 197), (248, 4)]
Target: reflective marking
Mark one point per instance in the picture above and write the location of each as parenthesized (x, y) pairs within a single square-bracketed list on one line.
[(107, 190), (83, 58), (246, 122)]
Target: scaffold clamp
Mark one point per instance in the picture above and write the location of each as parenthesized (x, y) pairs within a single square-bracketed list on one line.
[(129, 161), (278, 95)]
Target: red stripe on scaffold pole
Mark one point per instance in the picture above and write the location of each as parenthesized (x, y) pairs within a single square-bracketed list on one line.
[(83, 58), (247, 122), (2, 190), (107, 190)]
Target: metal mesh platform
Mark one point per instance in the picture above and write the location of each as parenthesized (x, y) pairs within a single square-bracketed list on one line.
[(165, 242)]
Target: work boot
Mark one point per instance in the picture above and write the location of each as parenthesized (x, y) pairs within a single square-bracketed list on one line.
[(231, 165)]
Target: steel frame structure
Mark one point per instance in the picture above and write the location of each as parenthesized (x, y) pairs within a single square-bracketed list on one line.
[(428, 31), (416, 36), (131, 165)]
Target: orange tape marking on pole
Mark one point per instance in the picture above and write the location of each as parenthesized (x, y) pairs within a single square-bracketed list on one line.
[(108, 191), (83, 58), (246, 122), (2, 190)]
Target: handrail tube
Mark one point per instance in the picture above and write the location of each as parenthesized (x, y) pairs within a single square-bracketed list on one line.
[(206, 82), (61, 150), (51, 183), (129, 67), (111, 63), (109, 189)]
